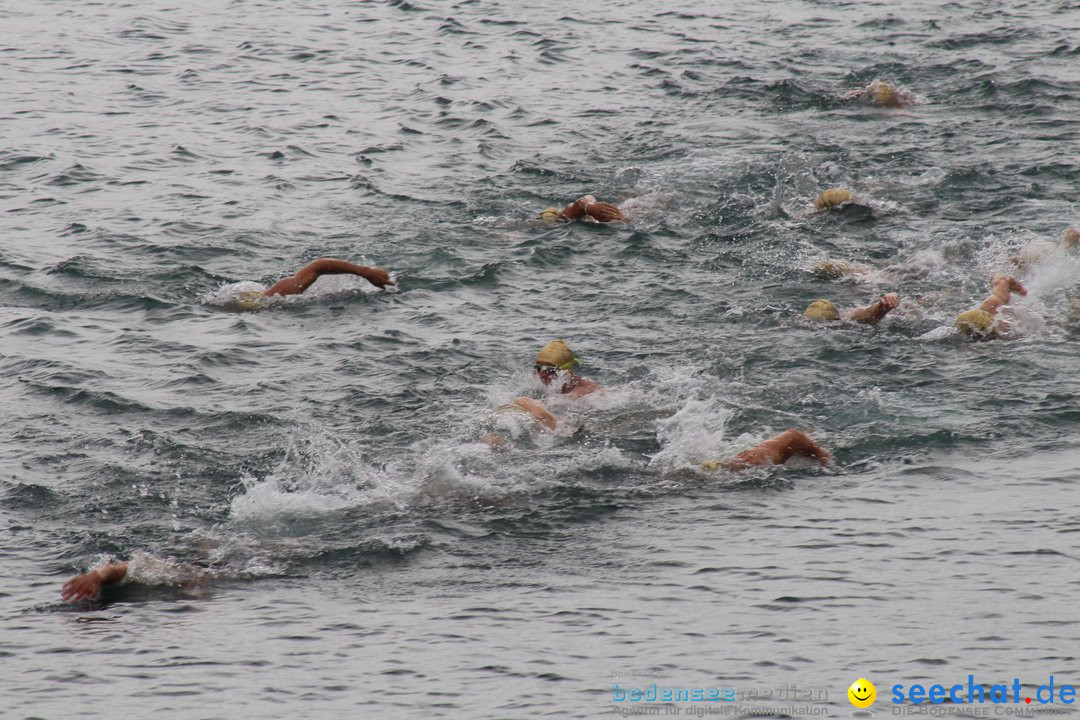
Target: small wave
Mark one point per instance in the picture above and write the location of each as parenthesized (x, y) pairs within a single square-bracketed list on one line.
[(77, 174), (147, 569), (12, 161), (406, 6), (999, 36), (29, 496)]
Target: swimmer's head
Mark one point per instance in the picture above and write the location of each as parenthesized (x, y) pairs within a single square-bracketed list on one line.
[(246, 300), (833, 269), (549, 214), (832, 198), (552, 358), (884, 94), (821, 311), (1070, 239), (975, 324)]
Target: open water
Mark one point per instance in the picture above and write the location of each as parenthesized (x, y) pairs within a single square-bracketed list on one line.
[(364, 554)]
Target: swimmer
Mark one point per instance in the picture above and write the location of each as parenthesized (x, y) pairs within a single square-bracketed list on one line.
[(585, 208), (1037, 251), (982, 322), (880, 94), (825, 311), (556, 360), (141, 569), (250, 296), (776, 451)]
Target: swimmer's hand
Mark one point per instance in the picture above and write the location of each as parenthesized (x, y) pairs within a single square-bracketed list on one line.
[(495, 442), (379, 277), (875, 311), (88, 585), (587, 206), (83, 587)]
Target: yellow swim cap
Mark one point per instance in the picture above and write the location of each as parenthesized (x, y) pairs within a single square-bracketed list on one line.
[(549, 214), (821, 311), (833, 197), (833, 269), (1071, 238), (246, 300), (977, 323), (557, 353), (885, 94), (712, 464)]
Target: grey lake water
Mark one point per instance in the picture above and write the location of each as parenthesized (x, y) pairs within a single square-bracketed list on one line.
[(315, 527)]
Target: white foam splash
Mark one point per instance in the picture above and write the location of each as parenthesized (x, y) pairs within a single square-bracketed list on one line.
[(247, 295), (147, 569), (319, 475), (938, 334), (244, 295), (692, 435)]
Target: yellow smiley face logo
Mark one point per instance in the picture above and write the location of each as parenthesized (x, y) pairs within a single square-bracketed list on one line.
[(862, 693)]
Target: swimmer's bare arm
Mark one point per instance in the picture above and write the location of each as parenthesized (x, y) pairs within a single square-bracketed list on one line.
[(872, 313), (303, 279), (88, 585), (778, 450), (1001, 286), (604, 212), (576, 209), (539, 413), (1033, 254), (580, 386), (599, 211)]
